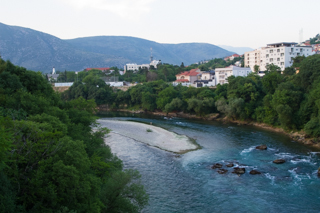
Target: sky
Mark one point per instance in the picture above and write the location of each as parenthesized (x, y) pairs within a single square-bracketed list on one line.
[(246, 23)]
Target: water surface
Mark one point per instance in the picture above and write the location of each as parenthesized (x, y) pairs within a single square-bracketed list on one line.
[(186, 183)]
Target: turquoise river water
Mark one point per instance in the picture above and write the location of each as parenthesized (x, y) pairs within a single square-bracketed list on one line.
[(186, 183)]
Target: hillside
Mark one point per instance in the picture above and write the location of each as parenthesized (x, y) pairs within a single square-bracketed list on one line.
[(137, 50), (40, 51)]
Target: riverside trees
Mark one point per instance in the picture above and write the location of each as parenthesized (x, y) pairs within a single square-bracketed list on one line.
[(50, 160)]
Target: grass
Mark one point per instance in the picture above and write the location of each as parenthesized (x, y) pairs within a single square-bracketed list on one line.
[(149, 130)]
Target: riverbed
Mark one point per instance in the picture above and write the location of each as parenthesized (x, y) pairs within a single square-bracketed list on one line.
[(186, 182)]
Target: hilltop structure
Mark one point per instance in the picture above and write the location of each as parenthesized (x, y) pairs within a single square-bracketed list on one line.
[(280, 54)]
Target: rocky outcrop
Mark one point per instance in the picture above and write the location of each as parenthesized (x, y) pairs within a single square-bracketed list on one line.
[(230, 165), (239, 171), (222, 171), (255, 172), (279, 161), (216, 166), (262, 147)]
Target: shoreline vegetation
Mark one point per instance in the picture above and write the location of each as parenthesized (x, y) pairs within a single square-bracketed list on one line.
[(298, 136), (151, 135)]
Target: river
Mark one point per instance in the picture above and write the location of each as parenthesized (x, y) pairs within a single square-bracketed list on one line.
[(186, 183)]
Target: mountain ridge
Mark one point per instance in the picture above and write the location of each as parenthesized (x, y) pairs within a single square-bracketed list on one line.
[(41, 51)]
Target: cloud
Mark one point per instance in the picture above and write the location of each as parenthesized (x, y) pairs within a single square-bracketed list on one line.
[(123, 8)]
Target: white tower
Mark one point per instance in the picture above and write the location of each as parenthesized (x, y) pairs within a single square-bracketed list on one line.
[(53, 71), (151, 57)]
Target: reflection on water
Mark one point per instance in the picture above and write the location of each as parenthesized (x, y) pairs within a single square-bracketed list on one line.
[(188, 184)]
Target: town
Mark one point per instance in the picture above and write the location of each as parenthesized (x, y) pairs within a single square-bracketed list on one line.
[(279, 55)]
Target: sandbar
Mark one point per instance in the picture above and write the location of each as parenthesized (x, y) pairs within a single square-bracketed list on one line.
[(151, 135)]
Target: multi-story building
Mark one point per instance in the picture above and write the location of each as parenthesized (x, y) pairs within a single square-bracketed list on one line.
[(252, 58), (222, 74), (280, 54)]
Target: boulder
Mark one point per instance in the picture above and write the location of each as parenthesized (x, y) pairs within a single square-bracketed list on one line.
[(279, 161), (239, 171), (217, 165), (262, 147), (230, 165), (319, 172), (255, 172), (222, 171)]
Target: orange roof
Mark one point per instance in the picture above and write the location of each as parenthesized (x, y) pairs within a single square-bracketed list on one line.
[(235, 55), (102, 69), (193, 72)]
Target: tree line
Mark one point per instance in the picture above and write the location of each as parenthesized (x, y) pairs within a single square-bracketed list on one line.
[(51, 160)]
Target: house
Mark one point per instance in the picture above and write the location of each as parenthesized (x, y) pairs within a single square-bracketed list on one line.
[(207, 79), (280, 54), (222, 74), (188, 76), (231, 57)]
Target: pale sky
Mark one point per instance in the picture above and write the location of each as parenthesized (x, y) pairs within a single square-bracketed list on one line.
[(246, 23)]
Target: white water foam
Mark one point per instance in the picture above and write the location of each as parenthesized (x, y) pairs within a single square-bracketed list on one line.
[(245, 151), (296, 161), (270, 177), (285, 155)]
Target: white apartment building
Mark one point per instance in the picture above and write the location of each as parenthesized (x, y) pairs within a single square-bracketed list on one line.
[(135, 67), (222, 74), (280, 54)]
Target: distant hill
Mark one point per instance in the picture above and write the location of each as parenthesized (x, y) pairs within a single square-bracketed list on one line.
[(238, 50), (40, 51)]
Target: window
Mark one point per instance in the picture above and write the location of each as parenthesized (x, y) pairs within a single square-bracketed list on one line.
[(282, 54), (271, 51), (278, 50), (271, 59), (278, 59), (267, 56), (282, 63)]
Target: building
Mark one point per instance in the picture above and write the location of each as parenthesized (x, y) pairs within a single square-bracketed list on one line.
[(280, 54), (252, 58), (207, 79), (189, 76), (136, 67), (222, 74)]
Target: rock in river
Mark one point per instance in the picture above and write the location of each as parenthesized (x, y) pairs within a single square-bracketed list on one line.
[(255, 172), (279, 161), (239, 171), (217, 165), (230, 165), (222, 171), (262, 147)]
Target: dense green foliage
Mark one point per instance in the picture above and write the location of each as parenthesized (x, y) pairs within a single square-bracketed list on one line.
[(51, 160)]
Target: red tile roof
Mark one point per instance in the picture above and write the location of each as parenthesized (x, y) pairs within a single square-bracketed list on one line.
[(236, 55), (102, 69), (193, 72)]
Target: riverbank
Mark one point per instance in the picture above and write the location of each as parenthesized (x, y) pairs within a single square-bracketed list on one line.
[(151, 135), (296, 136)]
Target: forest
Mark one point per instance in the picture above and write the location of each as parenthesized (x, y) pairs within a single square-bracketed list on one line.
[(290, 100), (52, 152)]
